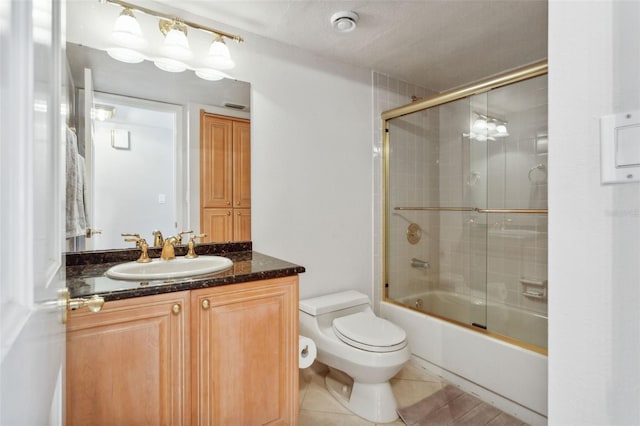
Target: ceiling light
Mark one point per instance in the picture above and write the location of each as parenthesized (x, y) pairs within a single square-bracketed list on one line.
[(170, 65), (344, 22), (219, 56), (126, 29), (123, 54)]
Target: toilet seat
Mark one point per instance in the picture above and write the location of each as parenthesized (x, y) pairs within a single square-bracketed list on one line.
[(370, 333)]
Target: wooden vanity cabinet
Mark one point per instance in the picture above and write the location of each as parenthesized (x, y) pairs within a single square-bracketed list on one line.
[(225, 355), (225, 178), (244, 346), (130, 363)]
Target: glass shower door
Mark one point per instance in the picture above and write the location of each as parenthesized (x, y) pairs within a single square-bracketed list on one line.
[(466, 219), (435, 247)]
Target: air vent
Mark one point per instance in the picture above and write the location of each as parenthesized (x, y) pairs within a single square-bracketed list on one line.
[(234, 106)]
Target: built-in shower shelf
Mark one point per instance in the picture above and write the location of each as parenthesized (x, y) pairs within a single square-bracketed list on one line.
[(535, 289)]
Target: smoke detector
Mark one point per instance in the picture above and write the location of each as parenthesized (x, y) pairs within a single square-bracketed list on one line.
[(344, 22)]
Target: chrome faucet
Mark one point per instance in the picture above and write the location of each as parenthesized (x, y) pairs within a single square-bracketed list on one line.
[(417, 263), (168, 249)]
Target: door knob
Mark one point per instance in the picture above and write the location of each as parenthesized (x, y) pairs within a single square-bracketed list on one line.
[(94, 303)]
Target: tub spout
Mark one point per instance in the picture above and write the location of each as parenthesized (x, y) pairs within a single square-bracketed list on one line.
[(417, 263)]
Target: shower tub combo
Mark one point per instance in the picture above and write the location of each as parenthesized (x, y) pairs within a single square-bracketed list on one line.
[(465, 239)]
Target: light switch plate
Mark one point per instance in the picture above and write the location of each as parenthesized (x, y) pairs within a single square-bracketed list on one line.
[(620, 147), (120, 139)]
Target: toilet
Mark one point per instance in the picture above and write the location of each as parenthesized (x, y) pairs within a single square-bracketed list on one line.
[(361, 350)]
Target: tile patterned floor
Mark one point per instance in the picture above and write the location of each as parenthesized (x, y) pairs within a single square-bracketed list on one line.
[(319, 408)]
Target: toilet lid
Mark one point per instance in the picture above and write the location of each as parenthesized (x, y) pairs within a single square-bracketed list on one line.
[(370, 333)]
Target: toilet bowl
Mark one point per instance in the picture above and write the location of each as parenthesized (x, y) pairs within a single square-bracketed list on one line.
[(361, 350)]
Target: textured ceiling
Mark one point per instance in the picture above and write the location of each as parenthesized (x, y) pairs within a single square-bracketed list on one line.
[(436, 44)]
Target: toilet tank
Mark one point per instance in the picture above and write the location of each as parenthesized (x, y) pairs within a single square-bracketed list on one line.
[(333, 302)]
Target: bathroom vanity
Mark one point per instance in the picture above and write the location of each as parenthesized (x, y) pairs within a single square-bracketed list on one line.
[(216, 349)]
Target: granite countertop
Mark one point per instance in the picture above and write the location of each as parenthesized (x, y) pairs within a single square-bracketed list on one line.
[(85, 271)]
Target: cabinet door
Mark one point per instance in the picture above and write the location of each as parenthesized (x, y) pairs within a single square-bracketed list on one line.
[(217, 224), (242, 224), (241, 164), (245, 347), (216, 161), (129, 364)]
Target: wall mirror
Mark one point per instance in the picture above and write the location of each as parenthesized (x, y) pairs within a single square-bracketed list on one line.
[(142, 165)]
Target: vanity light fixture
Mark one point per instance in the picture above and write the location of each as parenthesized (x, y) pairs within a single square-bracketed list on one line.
[(126, 29), (219, 56), (175, 54), (486, 128), (175, 38)]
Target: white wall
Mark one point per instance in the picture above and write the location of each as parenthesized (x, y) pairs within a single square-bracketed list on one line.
[(594, 230), (312, 178)]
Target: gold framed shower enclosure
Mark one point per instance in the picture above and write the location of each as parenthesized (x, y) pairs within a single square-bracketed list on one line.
[(486, 85)]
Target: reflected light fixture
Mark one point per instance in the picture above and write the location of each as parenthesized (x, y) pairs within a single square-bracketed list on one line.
[(123, 54), (486, 128), (175, 54), (102, 112), (169, 65)]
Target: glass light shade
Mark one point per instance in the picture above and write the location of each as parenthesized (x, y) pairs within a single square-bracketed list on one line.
[(176, 44), (219, 56), (210, 74), (169, 65), (501, 130), (123, 54), (126, 30), (491, 126), (480, 124)]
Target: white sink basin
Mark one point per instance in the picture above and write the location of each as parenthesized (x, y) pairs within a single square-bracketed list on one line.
[(179, 267)]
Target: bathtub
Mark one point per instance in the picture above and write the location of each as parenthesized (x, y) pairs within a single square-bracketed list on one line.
[(507, 375), (526, 326)]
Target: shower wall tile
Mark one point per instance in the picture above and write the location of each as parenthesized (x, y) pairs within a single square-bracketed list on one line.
[(389, 93)]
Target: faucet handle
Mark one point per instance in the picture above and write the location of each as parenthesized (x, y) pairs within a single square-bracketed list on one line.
[(141, 243), (179, 236), (133, 238), (191, 253)]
